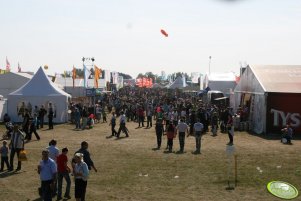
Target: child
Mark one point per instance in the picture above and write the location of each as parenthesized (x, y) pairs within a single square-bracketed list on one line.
[(4, 155)]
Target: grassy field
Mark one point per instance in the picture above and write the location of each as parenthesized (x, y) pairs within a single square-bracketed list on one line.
[(129, 168)]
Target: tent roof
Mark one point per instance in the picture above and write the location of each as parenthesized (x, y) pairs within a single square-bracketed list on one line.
[(230, 76), (157, 85), (279, 78), (178, 83), (68, 82), (39, 85)]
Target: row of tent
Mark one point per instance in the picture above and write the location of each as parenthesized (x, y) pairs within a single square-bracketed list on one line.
[(272, 95)]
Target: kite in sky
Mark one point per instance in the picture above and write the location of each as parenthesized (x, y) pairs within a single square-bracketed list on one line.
[(164, 33)]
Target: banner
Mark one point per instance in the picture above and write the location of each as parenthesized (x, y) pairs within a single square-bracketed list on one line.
[(144, 82)]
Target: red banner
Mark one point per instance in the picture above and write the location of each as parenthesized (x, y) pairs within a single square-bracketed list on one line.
[(144, 82)]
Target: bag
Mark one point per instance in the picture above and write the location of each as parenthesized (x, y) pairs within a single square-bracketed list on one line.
[(22, 155)]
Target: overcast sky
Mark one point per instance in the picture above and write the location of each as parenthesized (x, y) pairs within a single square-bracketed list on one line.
[(125, 36)]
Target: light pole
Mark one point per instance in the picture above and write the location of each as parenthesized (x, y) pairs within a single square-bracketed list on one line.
[(209, 64)]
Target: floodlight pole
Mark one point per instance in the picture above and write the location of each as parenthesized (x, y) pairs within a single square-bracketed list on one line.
[(209, 64)]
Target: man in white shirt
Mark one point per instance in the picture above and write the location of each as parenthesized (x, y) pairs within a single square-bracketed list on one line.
[(47, 170), (54, 152), (198, 129), (182, 128)]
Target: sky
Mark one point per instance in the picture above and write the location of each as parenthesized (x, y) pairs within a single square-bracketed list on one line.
[(125, 35)]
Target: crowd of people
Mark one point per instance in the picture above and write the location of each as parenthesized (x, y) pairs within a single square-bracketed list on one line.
[(175, 114)]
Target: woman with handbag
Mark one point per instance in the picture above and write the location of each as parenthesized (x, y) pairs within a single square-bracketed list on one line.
[(16, 146)]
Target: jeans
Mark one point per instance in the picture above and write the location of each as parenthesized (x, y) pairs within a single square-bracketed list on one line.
[(114, 132), (77, 123), (80, 189), (4, 159), (159, 139), (170, 144), (122, 128), (62, 175), (46, 190), (149, 121), (12, 155), (198, 143), (182, 140)]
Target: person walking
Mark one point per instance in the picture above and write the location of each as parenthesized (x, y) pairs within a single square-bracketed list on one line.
[(182, 128), (50, 116), (159, 132), (77, 118), (214, 123), (33, 128), (113, 124), (170, 132), (41, 114), (198, 128), (230, 129), (81, 173), (48, 172), (86, 155), (16, 145), (149, 114), (26, 123), (4, 155), (63, 172), (122, 126)]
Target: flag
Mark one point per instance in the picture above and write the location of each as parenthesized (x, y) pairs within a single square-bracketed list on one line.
[(73, 75), (7, 65), (86, 76), (97, 74), (19, 68)]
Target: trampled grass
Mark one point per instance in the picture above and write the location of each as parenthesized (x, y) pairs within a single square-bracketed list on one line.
[(129, 168)]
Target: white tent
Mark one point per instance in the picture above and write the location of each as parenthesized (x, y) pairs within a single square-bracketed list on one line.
[(221, 82), (39, 91), (179, 83), (11, 81)]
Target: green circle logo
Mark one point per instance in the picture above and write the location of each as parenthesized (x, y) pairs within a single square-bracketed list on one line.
[(282, 190)]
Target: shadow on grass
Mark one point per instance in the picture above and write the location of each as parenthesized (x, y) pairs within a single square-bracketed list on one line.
[(271, 136), (5, 174), (28, 141), (168, 152), (120, 138), (180, 152), (38, 199)]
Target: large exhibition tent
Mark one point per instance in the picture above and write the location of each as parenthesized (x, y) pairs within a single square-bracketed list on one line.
[(272, 95), (36, 92)]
